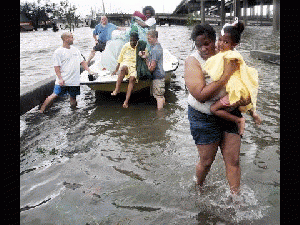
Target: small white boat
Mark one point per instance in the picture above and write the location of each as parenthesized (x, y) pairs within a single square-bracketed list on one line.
[(106, 82)]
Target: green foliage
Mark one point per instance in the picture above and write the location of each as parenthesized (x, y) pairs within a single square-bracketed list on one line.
[(53, 152), (191, 20), (39, 12), (66, 12), (43, 151)]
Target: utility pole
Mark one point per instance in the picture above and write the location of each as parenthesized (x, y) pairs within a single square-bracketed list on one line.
[(103, 8), (245, 5), (237, 8), (222, 13), (276, 15), (202, 11)]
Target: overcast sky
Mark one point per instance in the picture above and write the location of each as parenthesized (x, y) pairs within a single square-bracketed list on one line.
[(125, 6)]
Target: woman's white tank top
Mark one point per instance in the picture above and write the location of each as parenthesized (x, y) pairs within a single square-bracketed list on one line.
[(204, 107)]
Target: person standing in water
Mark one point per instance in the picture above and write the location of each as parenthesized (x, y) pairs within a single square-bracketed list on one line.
[(67, 60), (155, 66), (209, 131)]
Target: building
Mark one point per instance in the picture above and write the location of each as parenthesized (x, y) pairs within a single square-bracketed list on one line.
[(25, 23)]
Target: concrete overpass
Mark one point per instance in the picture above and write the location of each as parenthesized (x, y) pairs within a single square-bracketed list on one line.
[(221, 7), (212, 11)]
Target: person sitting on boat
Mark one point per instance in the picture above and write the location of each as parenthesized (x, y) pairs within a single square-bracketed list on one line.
[(138, 25), (113, 47), (103, 30), (127, 66), (150, 22), (142, 24)]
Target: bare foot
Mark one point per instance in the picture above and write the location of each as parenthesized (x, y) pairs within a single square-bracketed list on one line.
[(256, 118), (198, 187), (114, 93), (241, 126)]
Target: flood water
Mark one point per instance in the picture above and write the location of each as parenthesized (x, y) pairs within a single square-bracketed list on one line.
[(102, 164)]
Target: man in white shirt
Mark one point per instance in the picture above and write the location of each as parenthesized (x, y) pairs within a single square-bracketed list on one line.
[(67, 60)]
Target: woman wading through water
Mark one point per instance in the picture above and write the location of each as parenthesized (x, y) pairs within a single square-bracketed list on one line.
[(209, 131)]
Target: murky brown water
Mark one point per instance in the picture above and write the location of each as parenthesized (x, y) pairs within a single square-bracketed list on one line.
[(102, 164)]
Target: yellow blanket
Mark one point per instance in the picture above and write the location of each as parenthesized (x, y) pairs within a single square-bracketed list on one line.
[(242, 83)]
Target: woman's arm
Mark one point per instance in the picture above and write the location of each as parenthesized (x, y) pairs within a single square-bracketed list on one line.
[(141, 23), (195, 79)]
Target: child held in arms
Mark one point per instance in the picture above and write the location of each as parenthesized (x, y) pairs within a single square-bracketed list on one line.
[(242, 84)]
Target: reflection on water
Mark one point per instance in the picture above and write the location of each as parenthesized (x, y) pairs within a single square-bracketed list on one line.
[(102, 164)]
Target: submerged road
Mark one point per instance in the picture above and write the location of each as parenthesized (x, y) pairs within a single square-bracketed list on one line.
[(102, 164)]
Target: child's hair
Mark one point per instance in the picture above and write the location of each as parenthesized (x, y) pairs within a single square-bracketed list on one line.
[(235, 31), (203, 29)]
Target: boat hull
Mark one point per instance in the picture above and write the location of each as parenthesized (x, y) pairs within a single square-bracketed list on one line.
[(107, 83), (110, 86)]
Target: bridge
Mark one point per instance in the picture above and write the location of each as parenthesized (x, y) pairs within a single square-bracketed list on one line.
[(213, 12), (219, 8)]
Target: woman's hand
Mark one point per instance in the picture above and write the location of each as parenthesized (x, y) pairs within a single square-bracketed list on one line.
[(229, 68)]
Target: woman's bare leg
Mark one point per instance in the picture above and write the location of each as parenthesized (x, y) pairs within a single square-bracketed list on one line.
[(230, 148), (207, 155)]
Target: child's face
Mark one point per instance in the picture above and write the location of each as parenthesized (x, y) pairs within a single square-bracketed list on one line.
[(225, 43)]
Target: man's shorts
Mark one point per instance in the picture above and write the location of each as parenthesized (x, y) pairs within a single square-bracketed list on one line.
[(131, 70), (207, 129), (63, 90), (158, 88), (100, 46)]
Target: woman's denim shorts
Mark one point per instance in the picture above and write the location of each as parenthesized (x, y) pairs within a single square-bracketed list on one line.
[(207, 129)]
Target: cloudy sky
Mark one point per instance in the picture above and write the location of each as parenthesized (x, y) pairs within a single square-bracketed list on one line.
[(125, 6)]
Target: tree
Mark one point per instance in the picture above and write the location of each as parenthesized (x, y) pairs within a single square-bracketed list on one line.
[(66, 13), (37, 12)]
